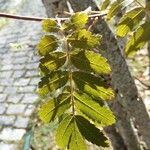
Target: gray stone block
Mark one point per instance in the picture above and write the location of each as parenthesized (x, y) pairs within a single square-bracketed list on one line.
[(3, 97), (21, 122), (18, 73), (29, 98), (22, 82), (9, 134), (16, 109), (15, 98), (3, 107), (4, 146), (6, 120), (29, 110)]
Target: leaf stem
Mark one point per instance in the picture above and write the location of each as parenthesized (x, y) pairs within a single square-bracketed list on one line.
[(31, 18), (70, 76)]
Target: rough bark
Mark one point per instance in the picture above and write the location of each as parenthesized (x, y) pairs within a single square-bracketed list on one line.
[(127, 105), (115, 137), (123, 82), (148, 47)]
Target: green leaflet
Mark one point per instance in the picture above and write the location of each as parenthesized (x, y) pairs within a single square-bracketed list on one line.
[(114, 9), (92, 85), (68, 135), (77, 21), (52, 81), (139, 39), (94, 135), (105, 4), (47, 44), (50, 25), (54, 108), (100, 115), (129, 21), (84, 39), (52, 62), (90, 61)]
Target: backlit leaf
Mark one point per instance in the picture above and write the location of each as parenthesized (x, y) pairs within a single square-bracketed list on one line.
[(114, 9), (90, 61), (52, 81), (54, 108), (100, 115), (139, 39), (84, 39), (50, 25), (52, 62), (105, 4), (92, 85), (94, 135), (47, 44), (129, 21), (68, 135)]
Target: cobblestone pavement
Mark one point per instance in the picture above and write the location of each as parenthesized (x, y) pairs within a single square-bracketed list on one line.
[(18, 71)]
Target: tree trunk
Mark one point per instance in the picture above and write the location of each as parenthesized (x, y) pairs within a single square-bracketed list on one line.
[(126, 106), (148, 47)]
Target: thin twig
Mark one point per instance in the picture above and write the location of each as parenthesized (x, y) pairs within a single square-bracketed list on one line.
[(146, 85), (29, 18)]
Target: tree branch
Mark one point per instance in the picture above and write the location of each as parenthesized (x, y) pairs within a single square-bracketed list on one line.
[(29, 18), (5, 15)]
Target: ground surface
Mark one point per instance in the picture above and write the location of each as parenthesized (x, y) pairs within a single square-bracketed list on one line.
[(18, 70)]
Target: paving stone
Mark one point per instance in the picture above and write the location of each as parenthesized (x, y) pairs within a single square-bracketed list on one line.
[(27, 89), (4, 146), (2, 97), (6, 120), (21, 122), (18, 66), (7, 61), (31, 73), (1, 89), (16, 109), (7, 67), (20, 60), (34, 81), (6, 82), (29, 98), (22, 82), (29, 110), (18, 73), (3, 107), (19, 54), (32, 66), (9, 134), (15, 98), (5, 74), (10, 90)]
